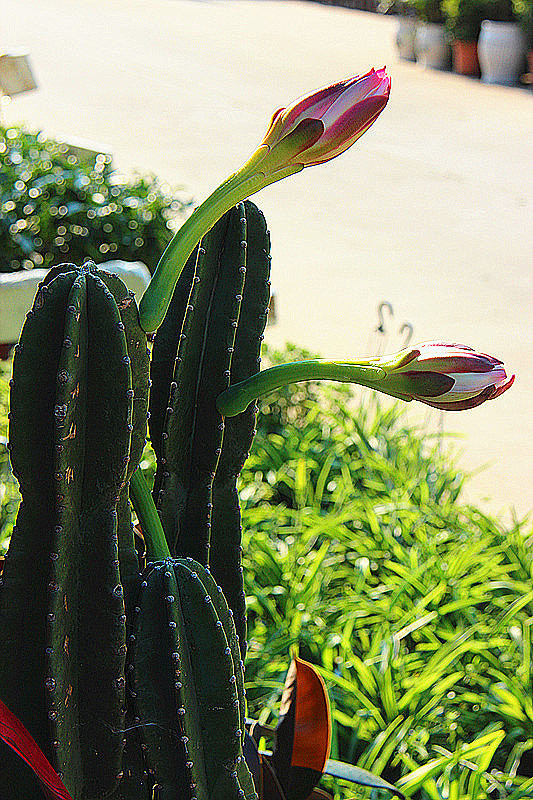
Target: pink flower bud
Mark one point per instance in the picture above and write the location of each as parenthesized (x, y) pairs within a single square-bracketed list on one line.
[(451, 377), (323, 124)]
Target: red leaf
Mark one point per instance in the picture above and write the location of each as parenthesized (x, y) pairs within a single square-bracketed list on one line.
[(303, 734), (15, 735)]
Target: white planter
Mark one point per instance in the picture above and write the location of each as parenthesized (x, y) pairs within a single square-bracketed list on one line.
[(501, 52), (17, 292), (432, 46), (405, 38)]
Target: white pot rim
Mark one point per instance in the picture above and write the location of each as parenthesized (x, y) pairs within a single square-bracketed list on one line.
[(498, 24)]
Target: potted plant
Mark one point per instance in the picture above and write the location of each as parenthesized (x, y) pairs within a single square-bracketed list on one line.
[(526, 23), (406, 30), (463, 22), (501, 45), (432, 47)]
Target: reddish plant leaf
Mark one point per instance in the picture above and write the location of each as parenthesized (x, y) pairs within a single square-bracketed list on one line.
[(15, 735), (303, 734)]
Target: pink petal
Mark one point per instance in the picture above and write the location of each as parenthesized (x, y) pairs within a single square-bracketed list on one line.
[(456, 363), (503, 387), (369, 86), (316, 103), (463, 405), (339, 136)]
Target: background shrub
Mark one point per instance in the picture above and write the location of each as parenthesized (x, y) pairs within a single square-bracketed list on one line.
[(54, 207)]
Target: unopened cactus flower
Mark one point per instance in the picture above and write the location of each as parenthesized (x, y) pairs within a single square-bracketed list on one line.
[(325, 123), (312, 130), (448, 376)]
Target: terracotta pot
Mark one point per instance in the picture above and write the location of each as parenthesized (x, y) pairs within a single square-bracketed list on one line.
[(501, 50), (464, 56)]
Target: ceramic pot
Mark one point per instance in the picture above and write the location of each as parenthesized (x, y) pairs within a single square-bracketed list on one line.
[(432, 47), (405, 38), (501, 50), (464, 58)]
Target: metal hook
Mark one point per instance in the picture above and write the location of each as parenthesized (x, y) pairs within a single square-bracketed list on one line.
[(383, 305), (409, 332)]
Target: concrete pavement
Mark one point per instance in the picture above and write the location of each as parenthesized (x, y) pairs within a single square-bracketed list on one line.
[(430, 210)]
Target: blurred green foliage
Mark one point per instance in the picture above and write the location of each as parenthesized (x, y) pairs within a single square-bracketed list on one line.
[(464, 18), (416, 607), (9, 495), (55, 207)]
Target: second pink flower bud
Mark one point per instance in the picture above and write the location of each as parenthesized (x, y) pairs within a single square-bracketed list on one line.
[(451, 377)]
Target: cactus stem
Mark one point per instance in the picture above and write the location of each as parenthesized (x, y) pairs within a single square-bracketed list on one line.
[(154, 536), (239, 396)]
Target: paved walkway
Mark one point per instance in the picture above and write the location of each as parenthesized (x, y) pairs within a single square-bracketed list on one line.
[(430, 210)]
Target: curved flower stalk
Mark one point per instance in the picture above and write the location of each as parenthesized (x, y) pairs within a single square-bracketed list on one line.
[(447, 376), (312, 130)]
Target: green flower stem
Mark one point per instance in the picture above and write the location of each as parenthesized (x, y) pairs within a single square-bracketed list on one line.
[(152, 530), (238, 187), (239, 396)]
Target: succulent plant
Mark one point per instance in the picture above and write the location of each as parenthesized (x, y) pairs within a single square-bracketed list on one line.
[(74, 604)]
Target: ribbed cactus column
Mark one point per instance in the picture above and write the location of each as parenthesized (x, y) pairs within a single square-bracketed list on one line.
[(189, 685), (212, 331), (62, 615), (225, 552), (193, 427)]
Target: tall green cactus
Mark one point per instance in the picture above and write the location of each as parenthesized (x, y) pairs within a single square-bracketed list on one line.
[(225, 551), (212, 334), (75, 439), (133, 685), (193, 426)]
